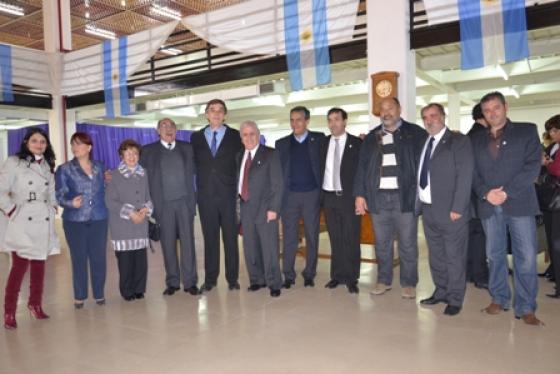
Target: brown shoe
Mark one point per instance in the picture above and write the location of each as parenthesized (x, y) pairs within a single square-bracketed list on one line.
[(531, 319), (493, 309)]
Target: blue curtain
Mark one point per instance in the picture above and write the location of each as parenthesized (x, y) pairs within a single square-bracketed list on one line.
[(106, 140), (15, 137)]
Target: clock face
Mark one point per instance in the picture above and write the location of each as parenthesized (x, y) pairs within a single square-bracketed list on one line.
[(384, 88)]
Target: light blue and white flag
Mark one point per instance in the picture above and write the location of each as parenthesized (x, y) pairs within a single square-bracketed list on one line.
[(6, 73), (307, 44), (492, 32), (114, 77)]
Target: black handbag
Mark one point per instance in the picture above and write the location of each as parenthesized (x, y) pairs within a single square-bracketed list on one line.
[(554, 203), (154, 231)]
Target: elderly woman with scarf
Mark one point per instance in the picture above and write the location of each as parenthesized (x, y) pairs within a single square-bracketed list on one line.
[(128, 200)]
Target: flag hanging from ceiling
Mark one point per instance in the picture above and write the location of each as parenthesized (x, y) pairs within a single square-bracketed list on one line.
[(271, 27), (6, 90), (114, 77), (307, 44), (492, 32)]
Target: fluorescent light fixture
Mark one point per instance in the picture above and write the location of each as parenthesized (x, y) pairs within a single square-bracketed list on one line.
[(363, 118), (502, 72), (166, 12), (272, 100), (170, 51), (145, 124), (11, 9), (181, 112), (94, 30), (268, 126)]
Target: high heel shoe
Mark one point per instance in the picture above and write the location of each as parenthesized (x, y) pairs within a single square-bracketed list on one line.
[(37, 312), (10, 321)]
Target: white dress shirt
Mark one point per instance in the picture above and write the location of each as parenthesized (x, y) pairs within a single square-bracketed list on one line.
[(166, 144), (425, 194), (328, 178), (242, 170)]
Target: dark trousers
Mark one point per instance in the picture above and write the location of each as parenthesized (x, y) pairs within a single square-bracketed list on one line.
[(547, 219), (447, 253), (477, 266), (555, 250), (300, 205), (88, 246), (13, 285), (218, 212), (343, 226), (177, 221), (133, 271)]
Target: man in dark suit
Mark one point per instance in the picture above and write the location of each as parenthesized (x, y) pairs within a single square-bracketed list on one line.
[(444, 191), (477, 265), (260, 192), (507, 162), (339, 161), (301, 168), (386, 186), (215, 147), (170, 167)]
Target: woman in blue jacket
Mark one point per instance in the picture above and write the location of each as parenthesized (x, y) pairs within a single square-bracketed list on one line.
[(80, 190)]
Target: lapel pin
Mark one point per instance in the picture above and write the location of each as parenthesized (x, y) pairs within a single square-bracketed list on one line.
[(350, 146), (258, 162), (504, 142)]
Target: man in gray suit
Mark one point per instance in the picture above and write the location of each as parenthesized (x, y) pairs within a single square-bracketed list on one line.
[(260, 192), (170, 166), (444, 190)]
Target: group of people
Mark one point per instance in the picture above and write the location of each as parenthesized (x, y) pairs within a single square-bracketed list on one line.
[(398, 172)]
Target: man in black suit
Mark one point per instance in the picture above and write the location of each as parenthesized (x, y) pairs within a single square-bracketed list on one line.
[(444, 191), (170, 167), (260, 192), (507, 162), (215, 148), (339, 162), (386, 186), (477, 265), (301, 168)]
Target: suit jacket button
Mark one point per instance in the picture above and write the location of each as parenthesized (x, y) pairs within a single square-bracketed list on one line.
[(46, 183), (45, 201), (30, 182), (137, 192), (46, 219), (29, 218)]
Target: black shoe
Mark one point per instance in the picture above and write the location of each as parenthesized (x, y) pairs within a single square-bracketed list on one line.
[(129, 298), (452, 310), (193, 290), (274, 292), (170, 290), (353, 288), (288, 283), (308, 282), (100, 302), (139, 295), (554, 295), (206, 287), (234, 286), (432, 301), (481, 285), (332, 284), (255, 287)]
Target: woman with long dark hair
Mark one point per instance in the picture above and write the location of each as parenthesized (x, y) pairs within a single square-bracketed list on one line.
[(27, 199), (80, 189)]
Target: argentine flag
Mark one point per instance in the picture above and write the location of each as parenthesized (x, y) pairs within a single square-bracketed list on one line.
[(307, 44), (492, 32), (6, 73), (114, 77)]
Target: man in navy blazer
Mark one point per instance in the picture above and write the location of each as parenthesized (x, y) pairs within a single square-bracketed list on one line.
[(301, 169), (507, 162)]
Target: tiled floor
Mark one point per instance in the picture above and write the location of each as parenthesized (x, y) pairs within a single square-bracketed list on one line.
[(304, 331)]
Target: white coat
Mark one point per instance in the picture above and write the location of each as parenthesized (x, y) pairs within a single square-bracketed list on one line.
[(29, 231)]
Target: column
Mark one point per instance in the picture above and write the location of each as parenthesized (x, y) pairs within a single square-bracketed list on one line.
[(453, 111)]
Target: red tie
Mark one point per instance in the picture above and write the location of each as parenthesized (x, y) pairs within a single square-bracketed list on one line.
[(245, 185)]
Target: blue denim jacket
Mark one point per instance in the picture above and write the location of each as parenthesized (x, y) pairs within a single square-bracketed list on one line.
[(71, 181)]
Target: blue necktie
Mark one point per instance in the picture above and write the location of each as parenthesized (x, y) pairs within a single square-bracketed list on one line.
[(426, 164), (214, 145)]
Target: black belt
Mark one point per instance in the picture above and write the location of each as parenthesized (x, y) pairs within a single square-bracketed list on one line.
[(336, 193)]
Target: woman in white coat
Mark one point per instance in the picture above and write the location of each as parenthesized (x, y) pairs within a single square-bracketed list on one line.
[(27, 200)]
